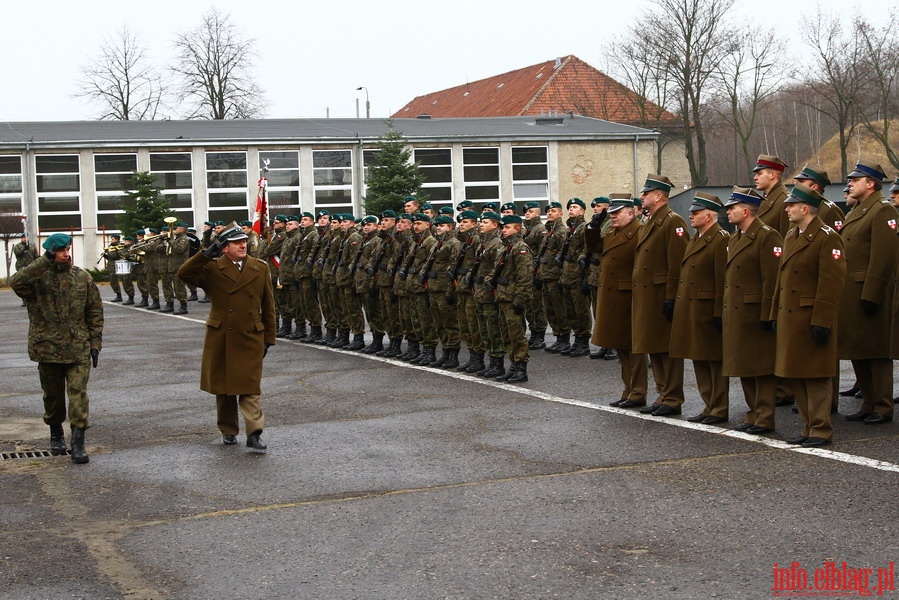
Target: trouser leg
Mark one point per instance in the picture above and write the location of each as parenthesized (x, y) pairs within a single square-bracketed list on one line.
[(668, 373), (634, 375), (813, 399), (713, 387)]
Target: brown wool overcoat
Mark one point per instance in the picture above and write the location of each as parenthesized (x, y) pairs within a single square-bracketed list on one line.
[(772, 212), (612, 324), (241, 322)]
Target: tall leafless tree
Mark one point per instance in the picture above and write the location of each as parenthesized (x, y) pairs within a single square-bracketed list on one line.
[(121, 82), (214, 66), (879, 80), (834, 79)]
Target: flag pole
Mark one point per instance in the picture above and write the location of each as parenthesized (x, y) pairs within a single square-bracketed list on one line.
[(260, 224)]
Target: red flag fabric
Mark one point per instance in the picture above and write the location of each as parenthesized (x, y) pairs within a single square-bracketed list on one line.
[(260, 215)]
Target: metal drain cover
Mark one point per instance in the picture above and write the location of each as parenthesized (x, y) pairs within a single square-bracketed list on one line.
[(29, 454)]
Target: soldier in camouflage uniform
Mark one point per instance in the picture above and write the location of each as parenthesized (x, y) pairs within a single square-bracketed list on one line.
[(252, 238), (422, 318), (513, 280), (442, 293), (151, 267), (127, 279), (489, 251), (287, 295), (25, 253), (307, 306), (382, 282), (402, 261), (316, 263), (139, 270), (271, 254), (533, 235), (366, 282), (352, 320), (467, 307), (111, 255), (574, 272), (598, 228), (175, 253), (327, 290), (65, 336), (548, 274)]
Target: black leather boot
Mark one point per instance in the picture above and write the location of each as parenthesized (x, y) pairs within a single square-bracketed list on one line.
[(563, 342), (169, 307), (192, 297), (393, 350), (330, 336), (464, 366), (342, 339), (377, 343), (513, 368), (581, 346), (155, 305), (57, 440), (182, 309), (521, 375), (285, 328), (118, 297), (440, 362), (427, 355), (79, 456), (413, 351), (497, 367), (537, 341), (129, 301), (358, 342), (452, 361), (315, 334), (299, 332), (143, 303), (477, 364)]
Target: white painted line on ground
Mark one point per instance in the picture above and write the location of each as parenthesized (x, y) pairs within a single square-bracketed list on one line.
[(634, 414)]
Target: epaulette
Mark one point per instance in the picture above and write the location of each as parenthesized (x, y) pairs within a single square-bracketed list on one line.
[(827, 229), (887, 202), (723, 232)]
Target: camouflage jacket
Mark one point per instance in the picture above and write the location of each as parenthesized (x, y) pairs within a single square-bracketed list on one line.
[(422, 250), (287, 270), (442, 259), (350, 250), (489, 251), (514, 280), (65, 312), (371, 247), (303, 259), (554, 238), (25, 254), (470, 242)]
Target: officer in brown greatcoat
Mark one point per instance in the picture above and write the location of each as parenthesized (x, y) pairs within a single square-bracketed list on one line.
[(612, 327), (750, 276), (696, 329), (809, 285), (661, 243), (768, 177), (869, 237)]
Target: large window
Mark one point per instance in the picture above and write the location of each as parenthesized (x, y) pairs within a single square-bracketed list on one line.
[(481, 174), (283, 181), (436, 165), (173, 175), (11, 184), (58, 192), (530, 174), (226, 181), (332, 176), (112, 176)]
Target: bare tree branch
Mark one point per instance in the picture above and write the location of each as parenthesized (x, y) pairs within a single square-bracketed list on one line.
[(878, 73)]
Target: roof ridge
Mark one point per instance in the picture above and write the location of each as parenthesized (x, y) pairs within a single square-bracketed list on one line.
[(549, 80)]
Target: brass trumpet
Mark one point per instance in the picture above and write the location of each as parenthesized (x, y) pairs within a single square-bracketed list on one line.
[(170, 221)]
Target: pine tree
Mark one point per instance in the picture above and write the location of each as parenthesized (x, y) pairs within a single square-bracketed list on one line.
[(393, 177), (143, 207)]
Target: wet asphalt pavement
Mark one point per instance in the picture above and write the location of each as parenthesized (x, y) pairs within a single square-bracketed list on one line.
[(384, 480)]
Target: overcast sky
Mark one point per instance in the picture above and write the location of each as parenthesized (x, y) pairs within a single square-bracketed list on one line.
[(313, 55)]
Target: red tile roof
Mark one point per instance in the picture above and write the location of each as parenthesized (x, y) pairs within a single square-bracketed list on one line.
[(557, 86)]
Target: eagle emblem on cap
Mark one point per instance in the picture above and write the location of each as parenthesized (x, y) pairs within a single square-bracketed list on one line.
[(892, 224), (836, 254), (778, 251), (679, 231)]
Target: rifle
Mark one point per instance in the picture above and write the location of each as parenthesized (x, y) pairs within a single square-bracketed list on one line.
[(355, 264), (495, 278), (388, 241), (562, 256), (547, 236), (432, 258), (407, 264), (338, 262), (454, 270), (318, 246), (475, 266)]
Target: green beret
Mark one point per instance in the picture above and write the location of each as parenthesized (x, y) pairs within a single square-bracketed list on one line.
[(208, 223), (508, 206), (512, 219), (410, 199), (57, 242), (464, 204), (550, 205), (467, 214), (115, 236), (165, 228), (323, 213), (370, 219), (421, 217), (307, 215), (577, 201), (282, 218), (219, 223), (128, 238), (246, 224), (600, 200), (357, 220), (445, 210), (151, 230), (444, 220), (347, 217), (388, 214), (491, 215), (293, 218), (491, 206), (530, 205), (427, 206), (181, 224), (406, 216)]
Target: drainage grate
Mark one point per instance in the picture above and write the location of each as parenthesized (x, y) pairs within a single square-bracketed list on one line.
[(29, 454)]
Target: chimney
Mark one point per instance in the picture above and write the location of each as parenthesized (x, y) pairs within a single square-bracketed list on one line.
[(558, 63)]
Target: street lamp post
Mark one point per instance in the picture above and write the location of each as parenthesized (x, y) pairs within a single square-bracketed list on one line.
[(367, 103)]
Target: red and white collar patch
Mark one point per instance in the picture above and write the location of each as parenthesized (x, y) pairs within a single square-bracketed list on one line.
[(778, 251), (892, 224), (837, 254), (679, 231)]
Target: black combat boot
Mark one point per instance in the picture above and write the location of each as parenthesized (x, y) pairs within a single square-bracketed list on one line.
[(392, 351), (192, 297), (611, 354), (497, 367), (413, 351), (437, 363), (169, 307), (477, 364), (581, 346), (78, 455), (521, 375), (341, 339), (463, 367), (155, 305), (330, 336), (452, 361), (143, 303), (427, 354), (299, 332), (182, 309), (358, 342), (285, 328), (205, 299), (513, 368), (129, 301), (537, 341), (377, 343), (562, 343), (57, 440), (118, 297), (315, 334), (601, 353)]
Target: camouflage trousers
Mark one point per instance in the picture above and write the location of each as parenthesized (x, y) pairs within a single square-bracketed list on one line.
[(536, 311), (488, 323), (446, 319), (276, 293), (467, 310), (127, 286), (57, 380), (515, 341), (352, 317), (287, 297), (577, 310), (423, 319), (390, 312), (172, 288), (152, 283), (555, 308), (114, 279), (307, 302), (405, 311), (371, 304), (335, 319), (324, 300)]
